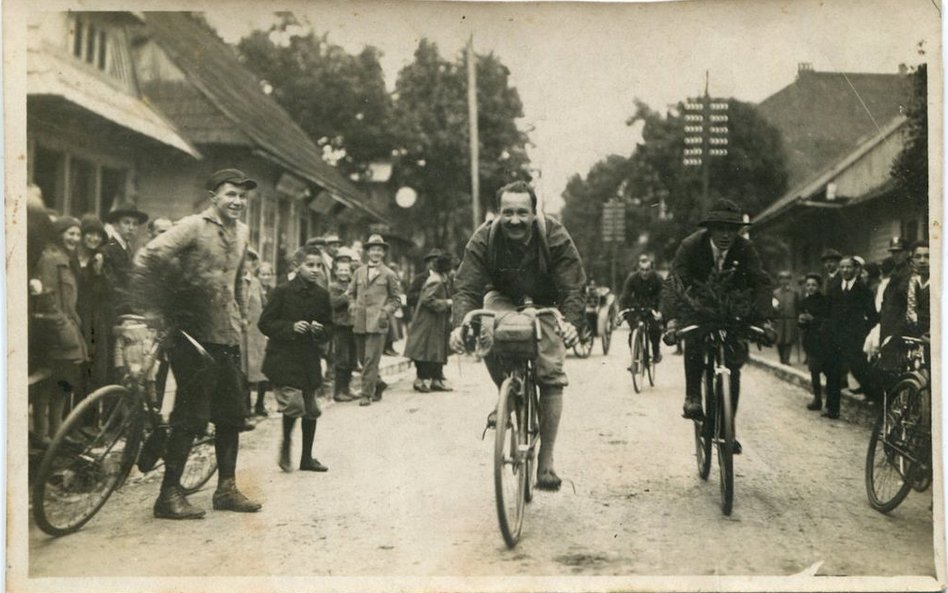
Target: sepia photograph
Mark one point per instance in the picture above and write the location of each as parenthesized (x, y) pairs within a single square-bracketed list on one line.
[(474, 296)]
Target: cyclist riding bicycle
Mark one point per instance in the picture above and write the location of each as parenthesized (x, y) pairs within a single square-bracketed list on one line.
[(716, 248), (521, 255), (643, 289)]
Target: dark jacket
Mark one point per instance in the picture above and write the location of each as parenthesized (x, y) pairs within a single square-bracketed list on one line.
[(641, 290), (414, 289), (851, 315), (551, 271), (428, 334), (814, 330), (694, 262), (340, 303), (894, 303), (292, 359), (91, 306), (61, 292), (117, 269)]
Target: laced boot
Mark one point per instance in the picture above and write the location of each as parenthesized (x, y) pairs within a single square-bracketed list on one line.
[(172, 504), (228, 498)]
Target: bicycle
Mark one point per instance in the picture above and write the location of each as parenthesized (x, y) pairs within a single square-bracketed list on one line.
[(599, 323), (101, 439), (642, 362), (717, 427), (517, 425), (899, 458)]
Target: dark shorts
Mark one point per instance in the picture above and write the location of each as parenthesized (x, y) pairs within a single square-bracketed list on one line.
[(208, 390)]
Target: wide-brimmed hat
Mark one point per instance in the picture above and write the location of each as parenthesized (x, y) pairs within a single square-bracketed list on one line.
[(898, 244), (375, 240), (318, 241), (724, 212), (123, 209), (331, 238), (434, 254), (234, 176), (831, 253)]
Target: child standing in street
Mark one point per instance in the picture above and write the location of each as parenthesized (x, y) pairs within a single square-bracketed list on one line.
[(296, 319), (344, 345)]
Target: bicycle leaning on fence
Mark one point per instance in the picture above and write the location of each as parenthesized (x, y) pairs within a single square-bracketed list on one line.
[(899, 458), (102, 438), (717, 427), (516, 420)]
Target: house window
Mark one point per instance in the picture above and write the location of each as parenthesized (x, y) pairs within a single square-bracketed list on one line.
[(82, 194), (92, 43), (910, 230), (112, 189)]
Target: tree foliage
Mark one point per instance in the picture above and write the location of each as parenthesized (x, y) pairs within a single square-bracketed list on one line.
[(910, 169), (753, 174)]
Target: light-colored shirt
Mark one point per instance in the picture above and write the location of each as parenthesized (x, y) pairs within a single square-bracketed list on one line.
[(719, 256)]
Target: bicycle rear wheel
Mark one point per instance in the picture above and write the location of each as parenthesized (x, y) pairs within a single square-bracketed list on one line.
[(607, 336), (584, 345), (889, 470), (201, 464), (724, 431), (635, 347), (510, 474), (704, 430), (88, 459)]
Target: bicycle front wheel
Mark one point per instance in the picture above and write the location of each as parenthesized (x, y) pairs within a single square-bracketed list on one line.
[(635, 347), (584, 345), (889, 468), (88, 459), (725, 440), (703, 430), (510, 471), (201, 464), (607, 337)]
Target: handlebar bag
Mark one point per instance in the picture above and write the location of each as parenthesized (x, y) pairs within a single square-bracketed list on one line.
[(515, 337)]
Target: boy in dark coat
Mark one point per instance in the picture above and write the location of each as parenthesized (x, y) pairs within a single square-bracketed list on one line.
[(296, 319), (814, 309)]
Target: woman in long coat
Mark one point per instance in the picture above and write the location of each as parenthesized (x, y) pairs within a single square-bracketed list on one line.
[(93, 292), (65, 346), (428, 336)]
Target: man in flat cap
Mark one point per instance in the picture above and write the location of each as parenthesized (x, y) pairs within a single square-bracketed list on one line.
[(830, 260), (717, 247), (211, 247)]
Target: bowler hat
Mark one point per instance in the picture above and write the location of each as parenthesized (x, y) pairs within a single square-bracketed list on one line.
[(123, 209), (898, 244), (233, 176), (434, 254), (375, 240), (724, 212), (831, 253)]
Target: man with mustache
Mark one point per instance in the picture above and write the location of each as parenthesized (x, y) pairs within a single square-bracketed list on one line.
[(520, 255), (718, 247), (209, 388)]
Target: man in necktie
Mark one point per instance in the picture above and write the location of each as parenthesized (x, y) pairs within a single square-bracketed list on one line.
[(852, 313)]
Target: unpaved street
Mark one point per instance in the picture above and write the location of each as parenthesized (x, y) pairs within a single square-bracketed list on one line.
[(410, 492)]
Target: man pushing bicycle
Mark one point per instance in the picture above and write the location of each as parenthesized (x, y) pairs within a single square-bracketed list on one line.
[(521, 256), (718, 266)]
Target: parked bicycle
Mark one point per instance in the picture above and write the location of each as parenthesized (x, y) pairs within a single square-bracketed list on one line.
[(517, 428), (101, 439), (717, 427), (642, 363), (899, 458)]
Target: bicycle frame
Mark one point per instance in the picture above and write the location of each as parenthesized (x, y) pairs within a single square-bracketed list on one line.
[(916, 369)]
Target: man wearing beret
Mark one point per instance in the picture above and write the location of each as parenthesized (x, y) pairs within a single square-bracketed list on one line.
[(211, 247), (717, 247)]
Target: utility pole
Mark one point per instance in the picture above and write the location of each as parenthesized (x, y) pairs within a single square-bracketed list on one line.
[(475, 138), (706, 135)]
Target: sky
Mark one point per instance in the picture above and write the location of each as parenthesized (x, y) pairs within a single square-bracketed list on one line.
[(579, 67)]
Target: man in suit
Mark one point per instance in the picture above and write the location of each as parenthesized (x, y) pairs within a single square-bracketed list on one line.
[(124, 220), (374, 295), (716, 247), (852, 314), (643, 288)]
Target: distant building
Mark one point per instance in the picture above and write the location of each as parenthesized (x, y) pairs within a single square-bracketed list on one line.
[(842, 133)]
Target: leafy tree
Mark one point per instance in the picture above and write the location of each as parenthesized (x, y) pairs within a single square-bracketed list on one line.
[(432, 128), (339, 99), (910, 169), (753, 174)]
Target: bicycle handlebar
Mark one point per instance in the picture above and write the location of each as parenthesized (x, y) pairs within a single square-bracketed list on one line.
[(475, 315), (759, 333)]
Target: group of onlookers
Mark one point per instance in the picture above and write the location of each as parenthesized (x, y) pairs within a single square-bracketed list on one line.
[(846, 315)]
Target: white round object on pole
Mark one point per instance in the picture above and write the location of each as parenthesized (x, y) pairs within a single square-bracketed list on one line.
[(405, 197)]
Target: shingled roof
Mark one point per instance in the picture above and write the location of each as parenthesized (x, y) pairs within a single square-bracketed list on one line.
[(824, 115), (212, 66)]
